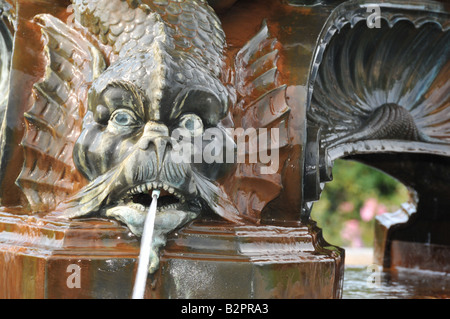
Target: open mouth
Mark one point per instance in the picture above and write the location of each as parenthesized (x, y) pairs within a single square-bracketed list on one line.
[(174, 208), (140, 197)]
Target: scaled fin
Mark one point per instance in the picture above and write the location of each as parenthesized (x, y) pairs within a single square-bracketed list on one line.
[(261, 112), (54, 122)]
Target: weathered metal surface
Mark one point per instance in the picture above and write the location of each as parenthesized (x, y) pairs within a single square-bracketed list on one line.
[(98, 88)]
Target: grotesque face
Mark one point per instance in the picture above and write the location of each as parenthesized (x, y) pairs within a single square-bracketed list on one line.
[(127, 146), (158, 71)]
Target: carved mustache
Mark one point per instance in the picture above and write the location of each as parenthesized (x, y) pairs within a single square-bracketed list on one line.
[(137, 168), (146, 167), (90, 198)]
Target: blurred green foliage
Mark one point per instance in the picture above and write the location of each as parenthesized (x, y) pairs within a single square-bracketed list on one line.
[(348, 205)]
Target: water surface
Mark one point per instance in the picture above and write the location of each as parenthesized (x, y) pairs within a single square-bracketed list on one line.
[(399, 284)]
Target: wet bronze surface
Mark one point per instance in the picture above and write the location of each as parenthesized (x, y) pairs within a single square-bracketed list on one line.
[(92, 102), (204, 260), (37, 251)]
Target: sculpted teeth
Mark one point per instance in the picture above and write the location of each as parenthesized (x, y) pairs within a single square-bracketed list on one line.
[(138, 207), (144, 188)]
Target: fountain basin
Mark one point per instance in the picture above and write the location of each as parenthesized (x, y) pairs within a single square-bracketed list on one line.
[(46, 257)]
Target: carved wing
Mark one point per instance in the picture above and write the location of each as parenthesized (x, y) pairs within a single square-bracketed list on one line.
[(261, 105), (54, 121)]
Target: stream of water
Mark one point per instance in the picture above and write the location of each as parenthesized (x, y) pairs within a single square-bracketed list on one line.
[(146, 246)]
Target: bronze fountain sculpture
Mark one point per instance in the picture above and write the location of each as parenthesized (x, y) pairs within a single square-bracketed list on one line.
[(100, 97)]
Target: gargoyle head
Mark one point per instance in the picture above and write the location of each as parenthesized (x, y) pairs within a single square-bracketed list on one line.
[(134, 108), (153, 87)]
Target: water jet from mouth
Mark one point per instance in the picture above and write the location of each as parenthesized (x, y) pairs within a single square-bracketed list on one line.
[(146, 246)]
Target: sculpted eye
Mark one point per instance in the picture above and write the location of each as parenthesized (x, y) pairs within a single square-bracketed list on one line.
[(124, 118), (192, 123)]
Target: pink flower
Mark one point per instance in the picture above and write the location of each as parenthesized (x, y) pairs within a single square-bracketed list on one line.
[(369, 209), (347, 207), (352, 233)]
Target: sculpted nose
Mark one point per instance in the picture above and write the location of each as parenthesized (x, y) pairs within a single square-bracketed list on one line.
[(155, 135), (153, 131)]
